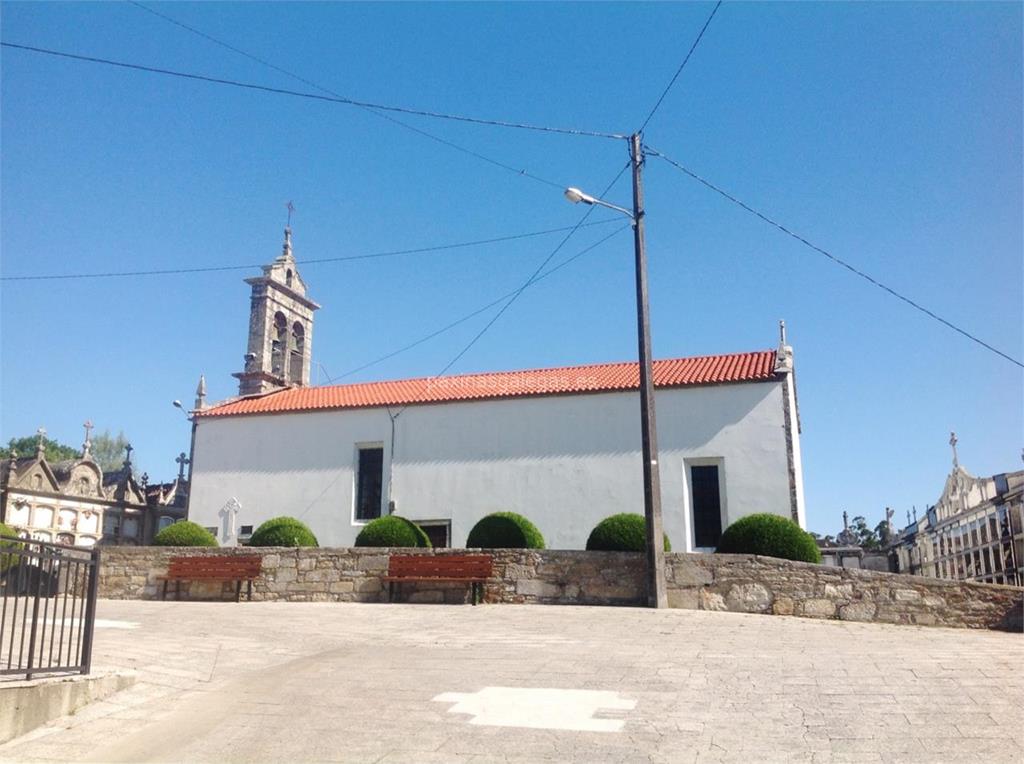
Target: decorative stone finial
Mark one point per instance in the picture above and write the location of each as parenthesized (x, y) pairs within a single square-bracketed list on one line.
[(88, 443), (41, 444), (952, 442), (286, 250), (128, 455), (201, 393), (784, 355), (908, 517), (915, 513), (144, 480)]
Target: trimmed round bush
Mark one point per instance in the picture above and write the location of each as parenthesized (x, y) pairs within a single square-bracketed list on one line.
[(392, 530), (625, 532), (185, 533), (283, 531), (771, 536), (505, 530)]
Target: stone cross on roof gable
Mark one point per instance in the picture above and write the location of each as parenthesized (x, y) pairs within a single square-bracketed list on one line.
[(182, 460), (88, 443), (41, 445), (952, 442), (128, 454)]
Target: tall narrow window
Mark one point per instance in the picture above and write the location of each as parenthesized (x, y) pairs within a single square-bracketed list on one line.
[(279, 345), (707, 505), (370, 482), (297, 353)]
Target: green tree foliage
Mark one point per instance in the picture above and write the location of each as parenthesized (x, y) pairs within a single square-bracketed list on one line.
[(505, 530), (283, 531), (626, 532), (185, 533), (771, 536), (394, 531), (54, 451), (108, 450)]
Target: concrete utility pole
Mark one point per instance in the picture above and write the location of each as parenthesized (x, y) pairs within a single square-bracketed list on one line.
[(656, 594)]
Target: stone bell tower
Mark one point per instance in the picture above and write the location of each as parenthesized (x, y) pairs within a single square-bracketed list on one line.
[(280, 327)]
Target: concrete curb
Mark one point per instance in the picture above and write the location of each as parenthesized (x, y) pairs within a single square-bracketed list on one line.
[(28, 705)]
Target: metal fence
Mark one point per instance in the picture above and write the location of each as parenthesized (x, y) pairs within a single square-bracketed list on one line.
[(47, 607)]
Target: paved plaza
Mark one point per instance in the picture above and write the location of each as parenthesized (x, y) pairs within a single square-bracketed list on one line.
[(296, 682)]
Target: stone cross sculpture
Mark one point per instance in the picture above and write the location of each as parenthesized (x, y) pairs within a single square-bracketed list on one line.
[(229, 517), (182, 460), (952, 442)]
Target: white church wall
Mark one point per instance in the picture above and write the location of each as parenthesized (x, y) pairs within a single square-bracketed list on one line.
[(563, 461)]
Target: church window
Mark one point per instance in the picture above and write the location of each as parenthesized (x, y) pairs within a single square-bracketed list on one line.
[(706, 501), (369, 482), (288, 278)]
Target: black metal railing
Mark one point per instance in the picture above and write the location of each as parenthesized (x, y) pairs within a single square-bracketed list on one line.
[(47, 607)]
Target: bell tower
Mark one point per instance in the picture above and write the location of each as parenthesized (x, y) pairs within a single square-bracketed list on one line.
[(280, 327)]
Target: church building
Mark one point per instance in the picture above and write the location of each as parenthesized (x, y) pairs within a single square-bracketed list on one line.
[(560, 446)]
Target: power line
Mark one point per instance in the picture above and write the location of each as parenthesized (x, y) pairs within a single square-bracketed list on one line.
[(481, 309), (315, 261), (529, 281), (837, 260), (679, 71), (383, 115), (313, 96)]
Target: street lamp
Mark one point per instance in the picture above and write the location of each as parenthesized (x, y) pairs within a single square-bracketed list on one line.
[(656, 595), (191, 452)]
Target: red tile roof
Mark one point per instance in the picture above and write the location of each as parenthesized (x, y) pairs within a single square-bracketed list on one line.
[(599, 378)]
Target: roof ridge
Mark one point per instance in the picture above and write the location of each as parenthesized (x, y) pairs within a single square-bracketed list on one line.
[(620, 376), (570, 367)]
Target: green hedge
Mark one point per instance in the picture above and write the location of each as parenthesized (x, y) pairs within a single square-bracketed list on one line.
[(771, 536), (7, 560), (625, 532), (505, 530), (392, 530), (283, 531), (185, 533)]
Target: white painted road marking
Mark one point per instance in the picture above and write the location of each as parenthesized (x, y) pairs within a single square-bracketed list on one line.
[(539, 708)]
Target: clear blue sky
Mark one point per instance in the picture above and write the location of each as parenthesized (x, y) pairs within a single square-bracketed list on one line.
[(890, 134)]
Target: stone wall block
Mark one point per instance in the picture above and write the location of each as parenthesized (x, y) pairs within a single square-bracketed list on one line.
[(748, 598), (858, 611), (817, 608)]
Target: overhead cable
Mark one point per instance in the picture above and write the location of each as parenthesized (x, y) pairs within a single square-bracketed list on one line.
[(835, 259), (314, 261), (481, 309), (679, 71), (313, 96), (383, 115)]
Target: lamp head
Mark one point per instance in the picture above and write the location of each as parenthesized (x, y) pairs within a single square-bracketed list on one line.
[(177, 405), (576, 196)]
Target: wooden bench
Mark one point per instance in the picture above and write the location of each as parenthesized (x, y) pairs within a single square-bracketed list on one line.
[(474, 569), (213, 568)]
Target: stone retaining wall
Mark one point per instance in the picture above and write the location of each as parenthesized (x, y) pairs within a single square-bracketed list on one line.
[(739, 583)]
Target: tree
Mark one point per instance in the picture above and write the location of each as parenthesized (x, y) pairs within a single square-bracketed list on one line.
[(108, 451), (884, 533), (866, 538), (52, 450)]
